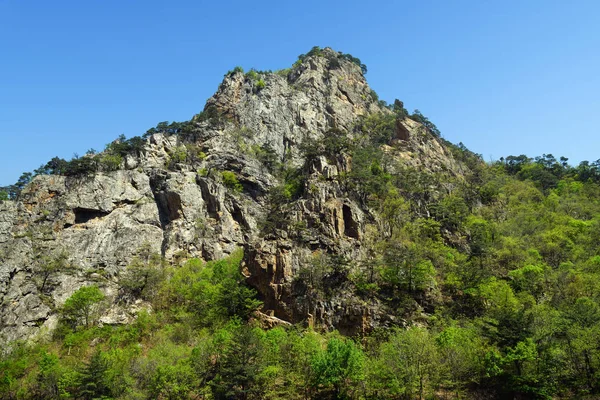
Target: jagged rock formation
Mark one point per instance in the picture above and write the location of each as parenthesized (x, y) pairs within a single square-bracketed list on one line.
[(185, 207)]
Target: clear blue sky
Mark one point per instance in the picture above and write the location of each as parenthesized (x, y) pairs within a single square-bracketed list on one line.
[(503, 77)]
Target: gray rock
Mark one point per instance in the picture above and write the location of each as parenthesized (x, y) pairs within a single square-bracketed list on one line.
[(183, 208)]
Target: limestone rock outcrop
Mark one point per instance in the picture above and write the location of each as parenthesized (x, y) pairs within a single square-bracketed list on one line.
[(186, 207)]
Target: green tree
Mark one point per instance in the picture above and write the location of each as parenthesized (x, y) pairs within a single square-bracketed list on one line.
[(92, 380), (83, 306), (143, 275), (46, 385), (409, 365), (462, 352), (238, 366), (338, 369)]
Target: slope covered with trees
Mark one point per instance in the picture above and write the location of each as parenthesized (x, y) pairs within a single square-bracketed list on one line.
[(488, 275)]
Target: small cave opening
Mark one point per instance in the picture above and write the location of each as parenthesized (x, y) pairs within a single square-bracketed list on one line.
[(350, 225), (83, 215), (169, 207), (238, 216), (401, 132)]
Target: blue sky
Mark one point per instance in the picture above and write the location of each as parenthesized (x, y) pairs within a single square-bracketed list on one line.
[(503, 77)]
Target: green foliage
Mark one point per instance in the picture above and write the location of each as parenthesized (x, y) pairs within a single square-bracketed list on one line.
[(231, 181), (252, 75), (56, 166), (236, 70), (211, 291), (143, 275), (451, 212), (174, 128), (374, 96), (24, 180), (462, 352), (178, 155), (430, 126), (407, 365), (494, 274), (316, 51), (111, 162), (267, 156), (379, 127), (399, 110), (337, 369), (356, 61), (82, 307), (283, 72), (334, 62), (92, 379), (260, 84), (291, 188), (122, 146), (203, 172), (81, 166), (238, 366)]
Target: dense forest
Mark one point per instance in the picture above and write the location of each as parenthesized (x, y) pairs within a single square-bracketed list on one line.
[(493, 277)]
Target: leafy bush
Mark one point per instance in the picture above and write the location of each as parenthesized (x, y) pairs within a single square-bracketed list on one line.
[(178, 155), (252, 75), (210, 114), (315, 51), (236, 70), (283, 72), (267, 156), (380, 127), (231, 181), (111, 162), (211, 291), (56, 166), (81, 166), (203, 172), (123, 147)]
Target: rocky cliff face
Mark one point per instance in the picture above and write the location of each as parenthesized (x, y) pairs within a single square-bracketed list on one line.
[(188, 206)]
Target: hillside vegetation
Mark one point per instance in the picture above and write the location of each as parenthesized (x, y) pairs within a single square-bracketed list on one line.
[(485, 278)]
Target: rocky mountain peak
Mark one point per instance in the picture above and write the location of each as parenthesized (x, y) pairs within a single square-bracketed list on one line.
[(283, 164), (321, 91)]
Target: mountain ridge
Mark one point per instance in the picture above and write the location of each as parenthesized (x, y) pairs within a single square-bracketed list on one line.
[(157, 190)]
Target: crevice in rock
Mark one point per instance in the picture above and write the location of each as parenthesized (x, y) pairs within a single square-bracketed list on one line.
[(169, 207), (238, 216), (345, 93), (157, 185), (83, 215), (125, 203), (212, 204), (350, 226), (36, 322), (254, 189)]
